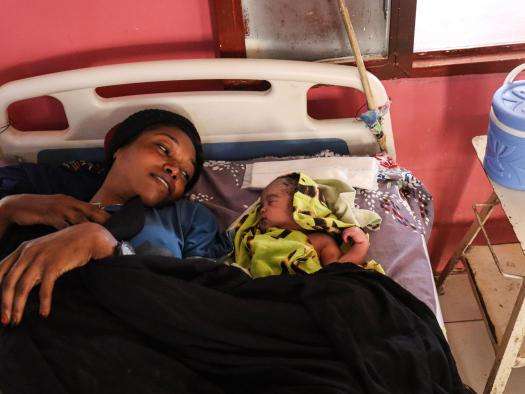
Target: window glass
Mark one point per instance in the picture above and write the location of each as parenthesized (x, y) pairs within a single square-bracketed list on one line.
[(453, 24), (314, 29)]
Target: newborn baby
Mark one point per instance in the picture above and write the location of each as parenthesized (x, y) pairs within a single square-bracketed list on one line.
[(292, 230), (277, 209)]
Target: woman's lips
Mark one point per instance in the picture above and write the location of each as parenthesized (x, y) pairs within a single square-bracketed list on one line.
[(162, 181)]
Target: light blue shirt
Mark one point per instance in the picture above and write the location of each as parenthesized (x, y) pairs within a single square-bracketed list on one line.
[(184, 229)]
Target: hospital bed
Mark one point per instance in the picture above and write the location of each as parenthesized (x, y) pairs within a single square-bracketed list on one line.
[(237, 128)]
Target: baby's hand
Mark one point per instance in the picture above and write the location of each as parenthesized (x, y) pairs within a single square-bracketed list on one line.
[(357, 252), (356, 234)]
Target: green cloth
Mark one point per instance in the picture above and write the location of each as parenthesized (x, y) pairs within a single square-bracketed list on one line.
[(329, 205), (276, 251), (325, 207)]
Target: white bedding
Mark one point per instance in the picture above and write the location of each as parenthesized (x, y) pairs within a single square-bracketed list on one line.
[(358, 172)]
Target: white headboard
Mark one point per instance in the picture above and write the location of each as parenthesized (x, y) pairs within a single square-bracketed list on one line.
[(279, 113)]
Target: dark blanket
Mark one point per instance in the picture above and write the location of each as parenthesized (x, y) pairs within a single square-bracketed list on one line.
[(155, 325)]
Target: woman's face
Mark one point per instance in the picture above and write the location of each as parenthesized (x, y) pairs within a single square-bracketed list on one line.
[(156, 166)]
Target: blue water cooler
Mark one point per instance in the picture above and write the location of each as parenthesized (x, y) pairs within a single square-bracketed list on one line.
[(505, 155)]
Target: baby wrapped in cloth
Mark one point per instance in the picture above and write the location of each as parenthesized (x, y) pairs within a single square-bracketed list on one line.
[(324, 208)]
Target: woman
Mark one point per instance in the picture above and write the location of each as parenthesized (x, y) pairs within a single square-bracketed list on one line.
[(154, 155)]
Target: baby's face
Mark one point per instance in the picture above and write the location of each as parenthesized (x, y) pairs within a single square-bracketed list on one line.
[(276, 207)]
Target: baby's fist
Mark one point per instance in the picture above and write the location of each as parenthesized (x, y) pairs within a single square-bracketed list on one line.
[(356, 234)]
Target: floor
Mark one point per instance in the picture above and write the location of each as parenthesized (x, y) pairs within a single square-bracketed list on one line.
[(468, 336)]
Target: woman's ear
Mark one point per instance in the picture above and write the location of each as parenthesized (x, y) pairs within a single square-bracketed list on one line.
[(117, 153)]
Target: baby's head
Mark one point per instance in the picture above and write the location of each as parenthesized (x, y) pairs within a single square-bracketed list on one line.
[(276, 204)]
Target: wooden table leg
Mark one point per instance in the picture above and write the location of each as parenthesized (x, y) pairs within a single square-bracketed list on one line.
[(507, 351), (467, 239)]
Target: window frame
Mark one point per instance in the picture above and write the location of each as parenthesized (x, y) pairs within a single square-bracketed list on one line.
[(401, 61)]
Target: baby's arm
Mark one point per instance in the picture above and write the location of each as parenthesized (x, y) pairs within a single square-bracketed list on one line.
[(329, 252), (326, 248)]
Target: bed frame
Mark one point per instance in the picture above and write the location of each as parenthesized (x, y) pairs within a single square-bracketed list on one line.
[(280, 113)]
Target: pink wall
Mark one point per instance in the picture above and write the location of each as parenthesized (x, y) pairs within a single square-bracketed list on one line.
[(434, 118), (41, 36), (434, 121)]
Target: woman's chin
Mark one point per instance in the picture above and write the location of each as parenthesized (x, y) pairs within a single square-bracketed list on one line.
[(154, 200)]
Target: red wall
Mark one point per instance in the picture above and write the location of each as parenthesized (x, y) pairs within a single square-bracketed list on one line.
[(434, 118), (43, 36)]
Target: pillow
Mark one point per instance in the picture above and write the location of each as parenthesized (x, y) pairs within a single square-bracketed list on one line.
[(357, 172), (220, 186)]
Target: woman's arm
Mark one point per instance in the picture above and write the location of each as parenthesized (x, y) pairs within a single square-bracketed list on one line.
[(13, 180), (58, 211), (4, 222), (29, 195), (44, 260)]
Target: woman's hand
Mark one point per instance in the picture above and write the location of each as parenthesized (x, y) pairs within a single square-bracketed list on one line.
[(44, 260), (55, 210)]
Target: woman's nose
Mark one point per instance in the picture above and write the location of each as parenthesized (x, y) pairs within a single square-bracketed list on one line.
[(171, 170)]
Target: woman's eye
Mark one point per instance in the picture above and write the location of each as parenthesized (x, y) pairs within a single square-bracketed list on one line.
[(163, 149), (185, 176)]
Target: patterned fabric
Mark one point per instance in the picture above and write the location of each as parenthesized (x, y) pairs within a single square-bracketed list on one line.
[(328, 206), (374, 121), (83, 165), (274, 252), (278, 251)]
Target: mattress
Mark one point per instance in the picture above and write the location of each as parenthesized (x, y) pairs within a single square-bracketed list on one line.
[(401, 200)]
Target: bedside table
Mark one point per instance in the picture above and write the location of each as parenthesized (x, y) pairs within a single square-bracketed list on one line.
[(496, 273)]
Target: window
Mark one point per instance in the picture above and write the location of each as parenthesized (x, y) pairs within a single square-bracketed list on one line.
[(313, 29), (472, 24), (405, 37)]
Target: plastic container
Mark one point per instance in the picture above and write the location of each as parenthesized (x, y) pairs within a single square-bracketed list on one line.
[(505, 155)]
